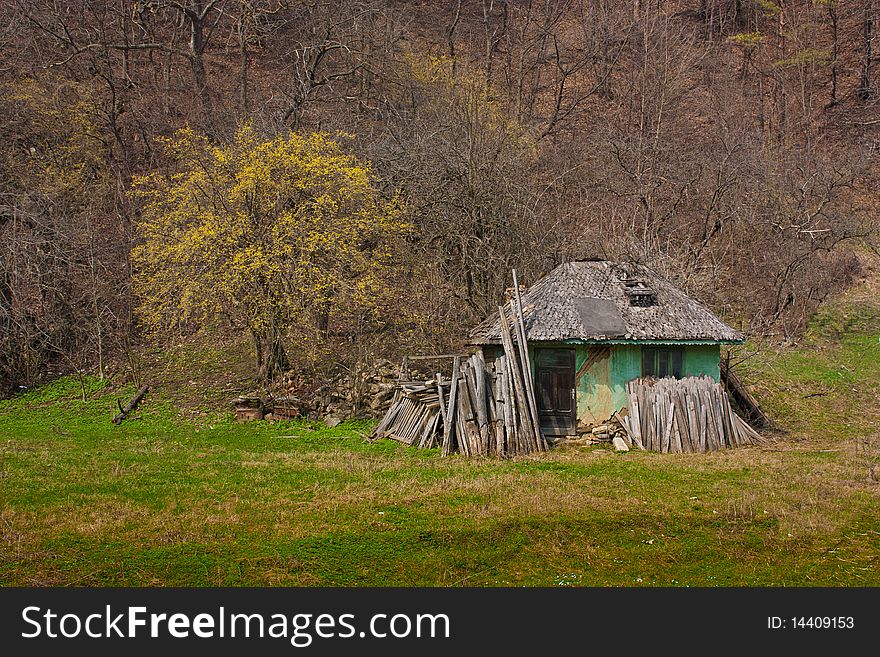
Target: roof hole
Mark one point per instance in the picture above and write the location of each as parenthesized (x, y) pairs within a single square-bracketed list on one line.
[(639, 294)]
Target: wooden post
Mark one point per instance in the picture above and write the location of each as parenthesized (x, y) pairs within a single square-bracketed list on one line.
[(527, 369), (449, 424), (518, 385)]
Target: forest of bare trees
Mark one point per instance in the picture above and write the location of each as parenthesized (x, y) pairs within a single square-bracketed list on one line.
[(733, 145)]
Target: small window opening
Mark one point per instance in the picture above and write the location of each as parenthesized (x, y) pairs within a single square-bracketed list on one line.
[(659, 362)]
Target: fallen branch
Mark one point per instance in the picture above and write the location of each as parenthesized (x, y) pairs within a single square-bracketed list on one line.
[(123, 412)]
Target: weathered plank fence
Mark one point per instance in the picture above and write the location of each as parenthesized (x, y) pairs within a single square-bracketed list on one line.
[(683, 415)]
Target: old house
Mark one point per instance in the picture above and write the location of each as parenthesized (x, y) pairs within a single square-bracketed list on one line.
[(592, 326)]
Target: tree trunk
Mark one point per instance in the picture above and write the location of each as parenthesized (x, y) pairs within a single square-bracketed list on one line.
[(270, 356), (835, 49), (245, 65), (782, 95), (866, 91), (197, 44), (322, 319)]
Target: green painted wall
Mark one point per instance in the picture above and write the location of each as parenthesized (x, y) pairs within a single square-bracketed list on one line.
[(602, 388), (703, 359)]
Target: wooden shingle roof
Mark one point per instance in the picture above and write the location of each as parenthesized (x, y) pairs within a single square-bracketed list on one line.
[(593, 301)]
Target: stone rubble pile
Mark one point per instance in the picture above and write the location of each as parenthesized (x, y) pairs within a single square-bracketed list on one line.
[(345, 395)]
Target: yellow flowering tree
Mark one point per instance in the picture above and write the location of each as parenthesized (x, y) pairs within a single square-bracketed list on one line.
[(269, 233)]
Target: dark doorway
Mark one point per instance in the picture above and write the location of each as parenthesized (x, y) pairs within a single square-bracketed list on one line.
[(555, 390)]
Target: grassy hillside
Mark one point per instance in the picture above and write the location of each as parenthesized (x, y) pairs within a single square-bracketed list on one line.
[(199, 500)]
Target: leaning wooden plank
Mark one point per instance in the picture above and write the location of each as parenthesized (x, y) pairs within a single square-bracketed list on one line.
[(500, 407), (657, 415), (730, 414), (473, 424), (440, 398), (503, 404), (703, 428), (658, 410), (714, 433), (527, 369), (461, 432), (742, 436), (693, 422), (420, 437), (501, 382), (450, 423), (668, 415), (521, 446), (659, 419), (634, 413), (392, 412), (404, 406), (711, 443), (481, 401), (493, 409), (528, 429), (722, 417), (729, 429), (432, 440), (748, 434), (467, 410), (510, 428), (719, 417), (428, 432), (676, 442), (666, 424), (646, 408), (624, 422), (682, 427)]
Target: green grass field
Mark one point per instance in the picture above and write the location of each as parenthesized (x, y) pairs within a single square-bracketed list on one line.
[(198, 500)]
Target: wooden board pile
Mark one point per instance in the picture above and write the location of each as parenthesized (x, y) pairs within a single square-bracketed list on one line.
[(492, 413), (683, 415), (415, 414), (483, 409), (475, 413)]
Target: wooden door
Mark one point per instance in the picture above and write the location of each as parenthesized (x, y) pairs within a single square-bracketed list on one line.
[(555, 390)]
